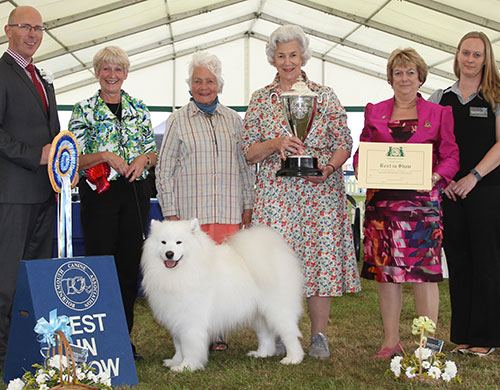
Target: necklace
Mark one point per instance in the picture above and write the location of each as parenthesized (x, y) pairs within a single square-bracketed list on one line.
[(118, 108), (405, 107)]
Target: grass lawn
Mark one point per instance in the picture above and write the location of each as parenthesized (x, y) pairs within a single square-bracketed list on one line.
[(354, 334)]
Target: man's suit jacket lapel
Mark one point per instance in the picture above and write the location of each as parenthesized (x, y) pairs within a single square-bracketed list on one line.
[(27, 81)]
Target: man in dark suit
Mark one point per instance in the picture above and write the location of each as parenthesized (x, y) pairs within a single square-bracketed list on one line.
[(28, 124)]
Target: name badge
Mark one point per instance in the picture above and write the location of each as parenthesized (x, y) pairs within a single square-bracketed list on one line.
[(478, 112)]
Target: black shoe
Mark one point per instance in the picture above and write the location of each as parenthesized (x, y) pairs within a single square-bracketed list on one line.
[(137, 356)]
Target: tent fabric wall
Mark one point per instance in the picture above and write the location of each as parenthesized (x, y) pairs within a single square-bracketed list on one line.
[(350, 41)]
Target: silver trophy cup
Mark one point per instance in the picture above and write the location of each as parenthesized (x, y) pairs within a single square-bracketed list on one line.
[(300, 106)]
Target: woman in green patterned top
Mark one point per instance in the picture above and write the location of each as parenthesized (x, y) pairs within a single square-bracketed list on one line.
[(116, 143)]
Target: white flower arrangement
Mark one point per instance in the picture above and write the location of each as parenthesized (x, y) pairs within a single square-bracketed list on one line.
[(49, 375), (47, 76), (423, 364), (58, 370)]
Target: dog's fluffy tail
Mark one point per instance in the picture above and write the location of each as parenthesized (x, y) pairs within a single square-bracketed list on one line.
[(272, 263)]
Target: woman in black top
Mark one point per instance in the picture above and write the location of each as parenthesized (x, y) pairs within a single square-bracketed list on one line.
[(471, 207)]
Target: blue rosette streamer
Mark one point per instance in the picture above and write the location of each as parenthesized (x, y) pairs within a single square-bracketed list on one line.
[(46, 329), (63, 173)]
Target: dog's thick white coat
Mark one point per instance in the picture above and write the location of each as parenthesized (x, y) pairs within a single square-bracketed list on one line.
[(199, 290)]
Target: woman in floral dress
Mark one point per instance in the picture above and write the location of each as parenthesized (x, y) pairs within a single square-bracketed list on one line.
[(311, 213)]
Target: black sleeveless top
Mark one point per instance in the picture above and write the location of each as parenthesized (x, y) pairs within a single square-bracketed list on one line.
[(475, 133)]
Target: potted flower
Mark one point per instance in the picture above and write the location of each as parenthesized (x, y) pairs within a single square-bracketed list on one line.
[(423, 364)]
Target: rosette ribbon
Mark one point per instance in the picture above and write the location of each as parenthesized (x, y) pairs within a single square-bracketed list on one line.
[(98, 175), (46, 330), (65, 233), (63, 172)]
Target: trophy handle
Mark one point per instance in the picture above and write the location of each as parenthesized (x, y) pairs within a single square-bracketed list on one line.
[(275, 95), (323, 98)]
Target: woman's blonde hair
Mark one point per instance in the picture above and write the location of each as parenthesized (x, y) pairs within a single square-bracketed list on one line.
[(113, 55), (404, 58), (490, 81)]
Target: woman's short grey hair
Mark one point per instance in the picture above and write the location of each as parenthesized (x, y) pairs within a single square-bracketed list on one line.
[(288, 33), (113, 55), (208, 61)]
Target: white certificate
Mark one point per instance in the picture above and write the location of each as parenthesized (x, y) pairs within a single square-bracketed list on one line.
[(402, 166)]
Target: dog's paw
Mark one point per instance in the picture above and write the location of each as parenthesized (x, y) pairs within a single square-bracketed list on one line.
[(180, 368), (291, 360), (170, 362), (187, 367), (258, 354)]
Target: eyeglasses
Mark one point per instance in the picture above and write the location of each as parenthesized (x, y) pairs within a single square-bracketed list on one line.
[(28, 27)]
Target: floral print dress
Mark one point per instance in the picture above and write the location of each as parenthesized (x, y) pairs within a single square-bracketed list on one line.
[(312, 218)]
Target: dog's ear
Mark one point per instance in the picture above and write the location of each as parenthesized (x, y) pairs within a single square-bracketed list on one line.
[(195, 225), (154, 223)]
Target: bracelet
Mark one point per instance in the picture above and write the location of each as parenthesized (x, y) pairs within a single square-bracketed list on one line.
[(331, 165), (476, 173), (435, 178)]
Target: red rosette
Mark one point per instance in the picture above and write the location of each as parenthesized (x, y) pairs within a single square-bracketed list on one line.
[(98, 175)]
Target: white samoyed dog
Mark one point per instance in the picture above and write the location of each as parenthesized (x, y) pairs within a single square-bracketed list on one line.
[(198, 290)]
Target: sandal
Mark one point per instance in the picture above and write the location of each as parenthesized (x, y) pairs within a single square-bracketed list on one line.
[(219, 346), (460, 348), (470, 351)]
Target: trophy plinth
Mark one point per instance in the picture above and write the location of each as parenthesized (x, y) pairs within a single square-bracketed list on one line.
[(300, 105), (299, 166)]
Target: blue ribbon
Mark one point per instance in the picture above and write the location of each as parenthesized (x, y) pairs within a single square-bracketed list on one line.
[(65, 241), (46, 330)]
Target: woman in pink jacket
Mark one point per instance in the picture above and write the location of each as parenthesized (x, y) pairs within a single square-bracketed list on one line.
[(403, 228)]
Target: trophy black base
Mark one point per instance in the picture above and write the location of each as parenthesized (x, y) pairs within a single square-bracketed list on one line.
[(299, 166)]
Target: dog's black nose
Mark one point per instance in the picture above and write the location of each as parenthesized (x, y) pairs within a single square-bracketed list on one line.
[(169, 255)]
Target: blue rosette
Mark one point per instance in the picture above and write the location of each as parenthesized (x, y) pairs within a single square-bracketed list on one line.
[(63, 174), (63, 160)]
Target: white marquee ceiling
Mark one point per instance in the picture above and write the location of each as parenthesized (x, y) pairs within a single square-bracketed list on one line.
[(346, 35)]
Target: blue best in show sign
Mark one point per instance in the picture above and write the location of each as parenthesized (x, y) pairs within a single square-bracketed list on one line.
[(86, 290)]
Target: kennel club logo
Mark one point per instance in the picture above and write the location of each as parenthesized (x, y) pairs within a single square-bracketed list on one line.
[(76, 285)]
